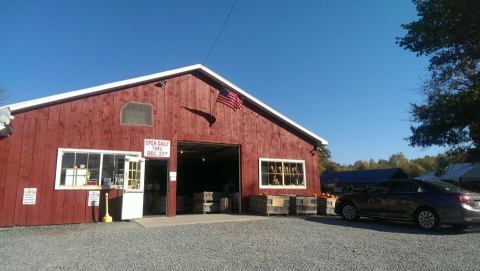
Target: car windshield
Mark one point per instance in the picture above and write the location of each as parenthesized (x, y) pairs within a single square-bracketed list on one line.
[(446, 186)]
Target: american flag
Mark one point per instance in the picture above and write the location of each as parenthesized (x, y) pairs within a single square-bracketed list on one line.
[(229, 99)]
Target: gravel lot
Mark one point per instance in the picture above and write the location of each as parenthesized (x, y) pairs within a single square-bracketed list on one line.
[(278, 243)]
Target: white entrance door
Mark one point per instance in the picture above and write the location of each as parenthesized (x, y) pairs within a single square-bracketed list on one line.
[(132, 203)]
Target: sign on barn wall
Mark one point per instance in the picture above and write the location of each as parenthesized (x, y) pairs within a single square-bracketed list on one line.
[(173, 176), (93, 198), (156, 148), (29, 196)]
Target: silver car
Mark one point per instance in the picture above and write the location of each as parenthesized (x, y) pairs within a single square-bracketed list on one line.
[(428, 203)]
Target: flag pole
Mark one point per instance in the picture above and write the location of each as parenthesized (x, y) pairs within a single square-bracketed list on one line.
[(211, 117), (215, 104)]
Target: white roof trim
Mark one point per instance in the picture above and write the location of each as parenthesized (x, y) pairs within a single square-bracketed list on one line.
[(262, 105), (106, 87), (97, 89)]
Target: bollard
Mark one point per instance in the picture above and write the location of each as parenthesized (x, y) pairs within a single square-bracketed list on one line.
[(107, 218)]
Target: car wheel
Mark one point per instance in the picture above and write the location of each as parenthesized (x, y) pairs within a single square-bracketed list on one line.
[(460, 227), (427, 219), (349, 212)]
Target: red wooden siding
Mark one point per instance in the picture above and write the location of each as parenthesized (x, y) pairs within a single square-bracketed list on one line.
[(28, 157)]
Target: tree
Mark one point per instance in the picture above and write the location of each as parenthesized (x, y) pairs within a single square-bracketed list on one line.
[(428, 163), (361, 165), (382, 163), (442, 161), (325, 164), (412, 168), (398, 160), (447, 31)]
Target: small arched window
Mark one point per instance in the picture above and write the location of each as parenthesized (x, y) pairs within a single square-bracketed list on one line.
[(137, 114)]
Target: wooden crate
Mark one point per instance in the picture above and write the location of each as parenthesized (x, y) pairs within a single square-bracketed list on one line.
[(204, 208), (303, 205), (207, 196), (268, 205), (326, 206)]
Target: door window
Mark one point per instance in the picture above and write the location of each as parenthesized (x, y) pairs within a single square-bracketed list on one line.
[(406, 187), (380, 188), (134, 175)]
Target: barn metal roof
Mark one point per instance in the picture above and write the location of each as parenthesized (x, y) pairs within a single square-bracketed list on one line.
[(370, 176), (464, 171), (22, 106)]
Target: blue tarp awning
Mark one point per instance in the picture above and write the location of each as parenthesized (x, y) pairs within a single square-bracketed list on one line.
[(370, 176)]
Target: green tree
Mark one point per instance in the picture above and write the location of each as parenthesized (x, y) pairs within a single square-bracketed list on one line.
[(398, 160), (324, 155), (412, 167), (427, 162), (325, 164), (442, 161), (372, 164), (382, 163), (448, 32)]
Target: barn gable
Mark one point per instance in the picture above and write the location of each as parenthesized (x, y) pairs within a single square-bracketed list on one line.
[(22, 106)]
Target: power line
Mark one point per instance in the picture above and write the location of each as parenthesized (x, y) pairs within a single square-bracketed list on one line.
[(221, 31)]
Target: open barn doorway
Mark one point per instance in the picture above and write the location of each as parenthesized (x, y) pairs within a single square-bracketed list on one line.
[(155, 195), (208, 178)]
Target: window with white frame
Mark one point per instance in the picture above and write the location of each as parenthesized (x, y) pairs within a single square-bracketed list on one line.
[(87, 169), (282, 173)]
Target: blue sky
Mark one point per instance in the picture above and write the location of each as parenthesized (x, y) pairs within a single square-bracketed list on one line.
[(332, 66)]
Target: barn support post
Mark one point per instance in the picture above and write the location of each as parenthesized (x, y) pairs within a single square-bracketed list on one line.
[(172, 184)]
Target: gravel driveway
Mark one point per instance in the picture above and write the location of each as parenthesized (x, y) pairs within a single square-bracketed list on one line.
[(277, 243)]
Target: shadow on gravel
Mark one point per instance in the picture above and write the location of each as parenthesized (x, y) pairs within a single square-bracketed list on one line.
[(387, 226)]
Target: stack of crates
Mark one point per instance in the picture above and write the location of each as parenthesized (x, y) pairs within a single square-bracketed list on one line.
[(268, 205), (225, 206), (207, 202), (300, 205), (326, 206)]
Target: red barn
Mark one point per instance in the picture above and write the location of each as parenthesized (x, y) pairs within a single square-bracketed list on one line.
[(151, 142)]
